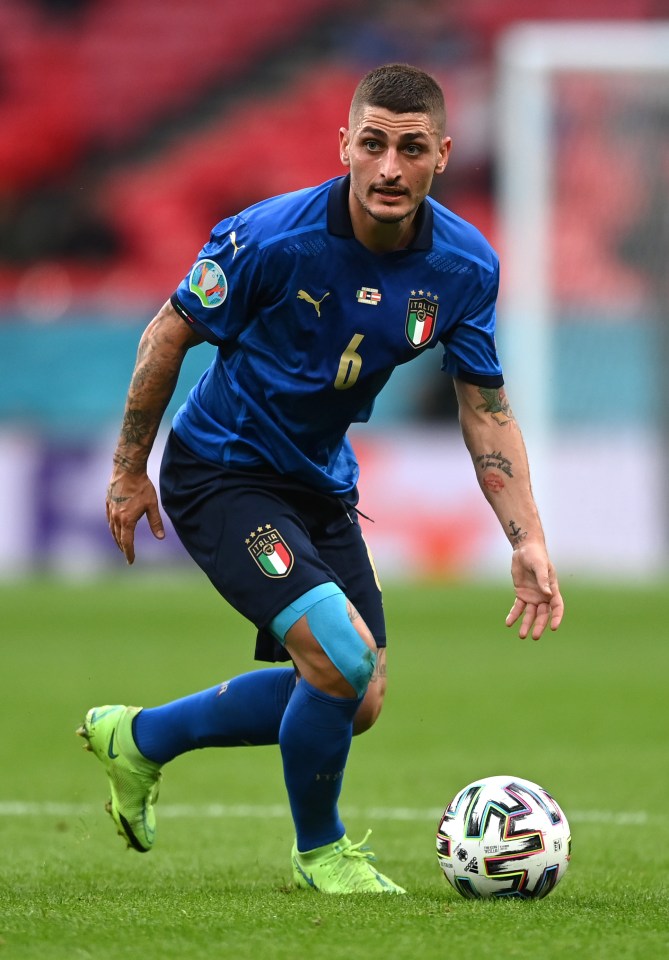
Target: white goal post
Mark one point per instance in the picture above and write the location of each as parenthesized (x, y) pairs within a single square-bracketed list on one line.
[(532, 59)]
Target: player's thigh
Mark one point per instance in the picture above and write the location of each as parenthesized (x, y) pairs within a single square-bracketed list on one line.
[(251, 544), (343, 548)]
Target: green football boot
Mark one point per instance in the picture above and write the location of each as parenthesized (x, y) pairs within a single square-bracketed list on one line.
[(341, 867), (133, 779)]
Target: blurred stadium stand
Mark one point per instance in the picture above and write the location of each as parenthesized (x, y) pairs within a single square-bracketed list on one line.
[(97, 81), (129, 129), (82, 94)]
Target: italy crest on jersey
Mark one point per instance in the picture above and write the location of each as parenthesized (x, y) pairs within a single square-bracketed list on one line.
[(421, 320), (271, 553)]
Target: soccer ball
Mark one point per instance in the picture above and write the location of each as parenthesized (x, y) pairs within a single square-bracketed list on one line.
[(503, 837)]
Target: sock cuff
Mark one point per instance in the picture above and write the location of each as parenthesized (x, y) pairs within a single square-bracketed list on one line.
[(311, 691)]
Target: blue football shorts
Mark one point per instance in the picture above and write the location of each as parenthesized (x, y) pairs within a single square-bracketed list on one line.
[(264, 539)]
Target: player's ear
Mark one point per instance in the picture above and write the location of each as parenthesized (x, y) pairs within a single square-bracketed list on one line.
[(444, 151), (343, 146)]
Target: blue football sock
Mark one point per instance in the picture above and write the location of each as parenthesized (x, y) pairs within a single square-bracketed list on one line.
[(315, 739), (245, 711)]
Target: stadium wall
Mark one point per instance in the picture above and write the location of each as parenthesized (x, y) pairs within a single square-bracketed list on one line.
[(62, 389)]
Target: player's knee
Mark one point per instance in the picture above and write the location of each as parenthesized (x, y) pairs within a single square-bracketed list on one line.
[(369, 710), (326, 612)]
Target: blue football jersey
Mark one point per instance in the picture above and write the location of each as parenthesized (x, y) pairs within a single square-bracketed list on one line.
[(310, 324)]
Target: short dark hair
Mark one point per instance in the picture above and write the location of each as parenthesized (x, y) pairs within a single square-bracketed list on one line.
[(400, 88)]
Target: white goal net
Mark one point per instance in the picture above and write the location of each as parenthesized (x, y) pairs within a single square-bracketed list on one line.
[(583, 137)]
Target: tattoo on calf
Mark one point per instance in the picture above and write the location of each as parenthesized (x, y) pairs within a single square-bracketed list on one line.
[(380, 670)]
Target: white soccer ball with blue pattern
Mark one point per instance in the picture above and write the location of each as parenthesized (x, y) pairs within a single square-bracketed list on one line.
[(503, 837)]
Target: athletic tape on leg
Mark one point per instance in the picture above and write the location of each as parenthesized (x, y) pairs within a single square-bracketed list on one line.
[(327, 616)]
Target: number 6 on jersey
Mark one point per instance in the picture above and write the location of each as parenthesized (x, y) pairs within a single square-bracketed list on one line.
[(349, 364)]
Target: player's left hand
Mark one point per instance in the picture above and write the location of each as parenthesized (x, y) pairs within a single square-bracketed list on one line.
[(538, 598)]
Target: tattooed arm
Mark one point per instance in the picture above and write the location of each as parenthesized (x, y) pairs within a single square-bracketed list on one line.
[(496, 445), (130, 493)]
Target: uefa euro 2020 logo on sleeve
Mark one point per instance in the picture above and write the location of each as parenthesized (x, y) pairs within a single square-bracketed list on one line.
[(208, 283)]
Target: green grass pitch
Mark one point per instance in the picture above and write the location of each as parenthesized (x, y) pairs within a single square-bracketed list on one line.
[(583, 712)]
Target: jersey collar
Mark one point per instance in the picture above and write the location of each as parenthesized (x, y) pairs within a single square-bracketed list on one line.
[(339, 218)]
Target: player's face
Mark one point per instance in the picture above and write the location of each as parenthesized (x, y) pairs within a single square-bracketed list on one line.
[(393, 158)]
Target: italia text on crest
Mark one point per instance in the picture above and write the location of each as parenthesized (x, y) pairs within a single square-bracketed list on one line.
[(421, 318)]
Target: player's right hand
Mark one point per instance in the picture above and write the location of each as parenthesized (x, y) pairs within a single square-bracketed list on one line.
[(129, 497), (538, 602)]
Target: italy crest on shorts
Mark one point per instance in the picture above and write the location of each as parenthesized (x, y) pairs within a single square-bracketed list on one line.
[(271, 553), (421, 320)]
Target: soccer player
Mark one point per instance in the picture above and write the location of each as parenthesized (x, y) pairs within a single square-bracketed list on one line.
[(312, 298)]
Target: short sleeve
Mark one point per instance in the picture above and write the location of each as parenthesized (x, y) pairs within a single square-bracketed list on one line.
[(470, 349), (218, 294)]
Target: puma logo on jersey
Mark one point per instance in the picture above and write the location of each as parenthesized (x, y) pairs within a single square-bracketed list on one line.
[(233, 241), (316, 304)]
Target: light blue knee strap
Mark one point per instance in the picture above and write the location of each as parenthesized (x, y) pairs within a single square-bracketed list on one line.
[(325, 610)]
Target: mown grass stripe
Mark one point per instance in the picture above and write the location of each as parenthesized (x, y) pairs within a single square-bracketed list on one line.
[(220, 811)]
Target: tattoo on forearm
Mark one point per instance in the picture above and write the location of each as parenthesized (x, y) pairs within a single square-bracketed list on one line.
[(517, 534), (150, 375), (153, 381), (353, 614), (125, 463), (137, 427), (143, 348), (495, 461), (496, 404), (493, 482)]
